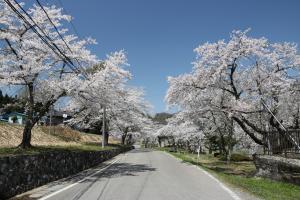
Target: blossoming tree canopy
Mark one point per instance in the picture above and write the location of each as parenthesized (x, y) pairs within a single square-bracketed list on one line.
[(102, 88), (131, 116), (126, 108), (28, 61), (235, 76)]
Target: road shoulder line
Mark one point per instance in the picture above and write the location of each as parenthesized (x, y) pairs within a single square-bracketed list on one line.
[(229, 191), (80, 181)]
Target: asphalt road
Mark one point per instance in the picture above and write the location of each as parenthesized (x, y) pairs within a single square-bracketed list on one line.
[(141, 175)]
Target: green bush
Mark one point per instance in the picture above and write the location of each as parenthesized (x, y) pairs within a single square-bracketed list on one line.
[(236, 157)]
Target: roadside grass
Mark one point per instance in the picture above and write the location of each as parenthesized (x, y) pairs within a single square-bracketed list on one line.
[(11, 151), (240, 175), (64, 133), (263, 188), (49, 139)]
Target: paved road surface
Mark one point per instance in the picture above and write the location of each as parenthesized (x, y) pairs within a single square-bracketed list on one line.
[(142, 175)]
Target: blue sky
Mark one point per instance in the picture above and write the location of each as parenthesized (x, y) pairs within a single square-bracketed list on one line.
[(159, 35)]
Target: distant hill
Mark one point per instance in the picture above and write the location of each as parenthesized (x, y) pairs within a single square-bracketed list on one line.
[(162, 117)]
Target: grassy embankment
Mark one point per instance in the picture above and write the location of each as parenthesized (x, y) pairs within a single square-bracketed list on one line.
[(44, 140), (240, 175)]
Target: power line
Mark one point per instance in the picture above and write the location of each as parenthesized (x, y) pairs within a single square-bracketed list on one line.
[(44, 38), (56, 29), (28, 24), (72, 24), (50, 39)]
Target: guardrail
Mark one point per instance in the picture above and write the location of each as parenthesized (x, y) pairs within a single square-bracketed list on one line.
[(279, 143)]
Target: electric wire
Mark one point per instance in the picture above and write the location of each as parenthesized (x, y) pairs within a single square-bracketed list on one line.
[(44, 38), (57, 31)]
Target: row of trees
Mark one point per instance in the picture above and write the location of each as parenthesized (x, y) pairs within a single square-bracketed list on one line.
[(38, 53), (239, 87), (106, 90), (5, 99), (15, 103)]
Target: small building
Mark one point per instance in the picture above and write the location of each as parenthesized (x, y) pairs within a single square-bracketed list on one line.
[(55, 118), (16, 118)]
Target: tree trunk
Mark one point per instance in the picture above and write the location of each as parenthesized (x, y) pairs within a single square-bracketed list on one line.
[(124, 135), (228, 155), (230, 141), (34, 113), (129, 140), (159, 141), (123, 139), (27, 135), (26, 140), (106, 138), (188, 148), (210, 149), (146, 143)]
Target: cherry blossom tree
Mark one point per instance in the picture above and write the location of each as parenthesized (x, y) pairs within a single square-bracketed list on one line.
[(26, 60), (181, 132), (106, 87), (131, 116), (149, 134), (245, 79)]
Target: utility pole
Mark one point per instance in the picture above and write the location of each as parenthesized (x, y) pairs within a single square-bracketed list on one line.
[(103, 127), (50, 121)]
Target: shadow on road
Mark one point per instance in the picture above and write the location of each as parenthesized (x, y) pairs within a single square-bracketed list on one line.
[(139, 151), (123, 169), (116, 170)]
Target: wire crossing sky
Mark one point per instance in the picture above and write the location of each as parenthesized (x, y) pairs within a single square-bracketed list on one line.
[(159, 36)]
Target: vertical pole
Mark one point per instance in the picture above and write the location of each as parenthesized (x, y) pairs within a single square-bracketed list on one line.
[(198, 154), (50, 121), (103, 127)]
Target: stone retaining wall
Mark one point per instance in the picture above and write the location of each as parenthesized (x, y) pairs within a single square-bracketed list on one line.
[(278, 168), (25, 172)]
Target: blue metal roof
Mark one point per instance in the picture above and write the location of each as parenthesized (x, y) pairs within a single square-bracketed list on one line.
[(16, 113)]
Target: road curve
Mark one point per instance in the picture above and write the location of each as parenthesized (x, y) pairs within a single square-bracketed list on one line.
[(144, 175)]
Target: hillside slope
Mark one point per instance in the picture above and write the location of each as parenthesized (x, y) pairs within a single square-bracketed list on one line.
[(11, 135)]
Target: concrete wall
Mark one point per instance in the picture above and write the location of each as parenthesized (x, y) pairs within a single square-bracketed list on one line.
[(25, 172), (278, 168)]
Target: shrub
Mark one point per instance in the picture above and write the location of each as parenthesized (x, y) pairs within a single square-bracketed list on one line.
[(237, 157), (217, 155)]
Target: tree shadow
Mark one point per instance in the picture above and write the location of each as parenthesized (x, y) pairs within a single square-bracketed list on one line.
[(123, 169), (91, 176), (113, 171), (139, 151)]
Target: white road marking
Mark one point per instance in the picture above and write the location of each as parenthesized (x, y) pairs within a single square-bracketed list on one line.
[(232, 194), (76, 183)]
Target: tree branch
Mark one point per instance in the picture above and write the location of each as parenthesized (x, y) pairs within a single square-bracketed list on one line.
[(248, 132)]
